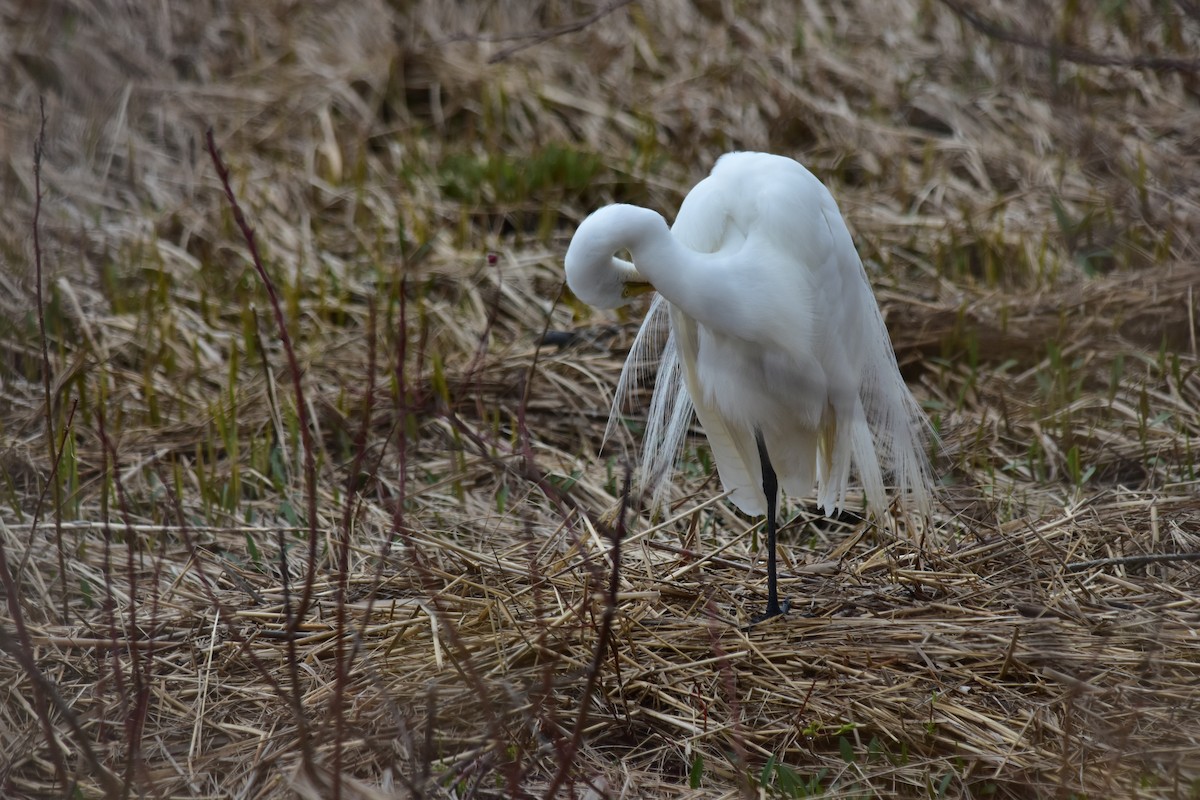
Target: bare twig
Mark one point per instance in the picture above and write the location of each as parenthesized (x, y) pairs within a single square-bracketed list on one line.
[(39, 151), (308, 446), (603, 642), (1132, 561), (140, 665), (23, 649), (737, 738), (307, 443), (1068, 52), (540, 37), (343, 659)]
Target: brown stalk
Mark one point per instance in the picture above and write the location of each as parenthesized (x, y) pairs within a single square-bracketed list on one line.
[(1068, 52), (603, 642), (294, 615)]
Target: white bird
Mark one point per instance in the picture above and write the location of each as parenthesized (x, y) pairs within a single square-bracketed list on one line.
[(775, 329)]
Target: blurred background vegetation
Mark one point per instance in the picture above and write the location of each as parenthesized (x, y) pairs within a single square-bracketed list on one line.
[(1023, 182)]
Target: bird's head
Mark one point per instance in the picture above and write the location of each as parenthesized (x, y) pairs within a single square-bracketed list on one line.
[(594, 272)]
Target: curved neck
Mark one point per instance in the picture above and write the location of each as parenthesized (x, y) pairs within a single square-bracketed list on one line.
[(697, 283), (594, 273)]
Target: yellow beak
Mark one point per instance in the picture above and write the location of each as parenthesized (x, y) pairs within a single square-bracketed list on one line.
[(634, 288)]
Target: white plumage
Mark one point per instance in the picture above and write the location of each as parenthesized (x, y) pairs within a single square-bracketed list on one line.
[(774, 333)]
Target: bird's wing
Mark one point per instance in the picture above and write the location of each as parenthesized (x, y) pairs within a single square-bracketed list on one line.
[(883, 427), (733, 446)]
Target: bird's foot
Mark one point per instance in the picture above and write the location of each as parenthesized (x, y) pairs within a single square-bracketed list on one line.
[(774, 609)]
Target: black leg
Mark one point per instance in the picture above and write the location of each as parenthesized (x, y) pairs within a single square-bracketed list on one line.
[(771, 490)]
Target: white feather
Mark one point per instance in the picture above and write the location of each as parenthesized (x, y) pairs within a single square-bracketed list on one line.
[(773, 327)]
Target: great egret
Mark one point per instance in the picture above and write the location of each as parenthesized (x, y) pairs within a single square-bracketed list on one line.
[(780, 342)]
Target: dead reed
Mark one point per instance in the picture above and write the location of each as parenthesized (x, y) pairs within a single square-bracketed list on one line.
[(354, 540)]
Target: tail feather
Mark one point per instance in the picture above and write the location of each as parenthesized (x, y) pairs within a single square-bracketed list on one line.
[(880, 437)]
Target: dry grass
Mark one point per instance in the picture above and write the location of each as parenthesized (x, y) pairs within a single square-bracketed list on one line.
[(1032, 226)]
